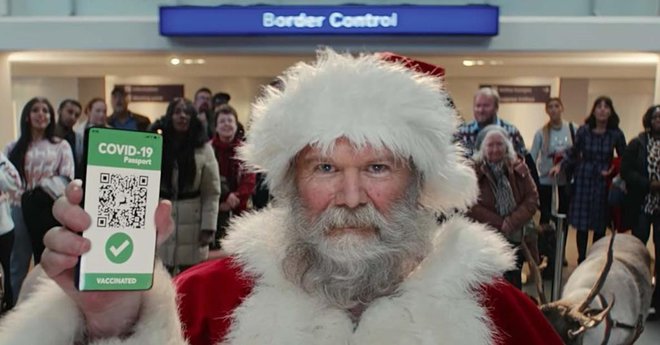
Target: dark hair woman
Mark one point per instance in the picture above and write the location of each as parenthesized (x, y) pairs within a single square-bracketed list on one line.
[(640, 168), (591, 157), (191, 180), (40, 158)]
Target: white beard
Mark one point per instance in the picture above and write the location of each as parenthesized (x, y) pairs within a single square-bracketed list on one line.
[(352, 269)]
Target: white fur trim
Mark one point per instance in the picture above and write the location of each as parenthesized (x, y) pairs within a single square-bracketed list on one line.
[(369, 101), (50, 316), (437, 304)]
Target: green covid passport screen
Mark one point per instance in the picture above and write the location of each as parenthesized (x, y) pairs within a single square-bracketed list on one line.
[(121, 183)]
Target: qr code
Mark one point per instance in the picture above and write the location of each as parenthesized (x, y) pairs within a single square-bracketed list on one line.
[(122, 201)]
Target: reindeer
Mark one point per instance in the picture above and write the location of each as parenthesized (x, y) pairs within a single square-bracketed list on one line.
[(609, 307)]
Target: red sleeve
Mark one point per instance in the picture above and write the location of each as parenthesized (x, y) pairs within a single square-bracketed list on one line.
[(246, 187), (517, 320), (245, 190), (207, 295)]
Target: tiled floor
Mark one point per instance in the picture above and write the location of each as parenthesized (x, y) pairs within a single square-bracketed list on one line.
[(651, 335)]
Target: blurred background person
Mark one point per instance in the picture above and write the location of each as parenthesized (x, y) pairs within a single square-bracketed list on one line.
[(39, 158), (507, 197), (590, 158), (190, 179), (240, 183), (549, 147), (640, 168), (122, 117), (205, 112), (10, 182), (220, 99), (486, 104), (96, 113), (67, 114)]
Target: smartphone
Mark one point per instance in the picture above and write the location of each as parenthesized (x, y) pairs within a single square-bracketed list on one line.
[(121, 182)]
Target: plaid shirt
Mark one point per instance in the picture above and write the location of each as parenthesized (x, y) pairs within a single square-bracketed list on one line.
[(467, 133)]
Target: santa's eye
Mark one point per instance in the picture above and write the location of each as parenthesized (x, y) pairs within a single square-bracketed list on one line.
[(325, 168), (379, 168)]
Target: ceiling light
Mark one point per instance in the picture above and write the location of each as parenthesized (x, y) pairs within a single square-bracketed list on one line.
[(468, 63), (200, 61), (480, 62), (175, 61), (188, 61)]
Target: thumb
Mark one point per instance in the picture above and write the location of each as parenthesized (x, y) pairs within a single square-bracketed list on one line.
[(164, 222)]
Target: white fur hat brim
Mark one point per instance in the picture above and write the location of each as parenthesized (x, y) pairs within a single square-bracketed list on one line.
[(368, 101)]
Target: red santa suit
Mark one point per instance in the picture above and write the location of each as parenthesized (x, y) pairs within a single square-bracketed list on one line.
[(455, 296)]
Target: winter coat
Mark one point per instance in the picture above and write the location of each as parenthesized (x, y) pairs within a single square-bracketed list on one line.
[(240, 181), (193, 210), (634, 170), (10, 181), (590, 155), (524, 192)]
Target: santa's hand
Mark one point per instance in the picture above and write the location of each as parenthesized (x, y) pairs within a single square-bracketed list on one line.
[(107, 314)]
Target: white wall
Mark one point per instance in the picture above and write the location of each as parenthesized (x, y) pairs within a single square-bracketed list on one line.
[(574, 93), (89, 88), (528, 117), (242, 90), (6, 110), (54, 89)]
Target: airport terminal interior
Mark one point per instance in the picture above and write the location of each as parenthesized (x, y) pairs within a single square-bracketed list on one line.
[(612, 52)]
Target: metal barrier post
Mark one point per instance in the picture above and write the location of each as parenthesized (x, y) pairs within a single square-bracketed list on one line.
[(561, 229)]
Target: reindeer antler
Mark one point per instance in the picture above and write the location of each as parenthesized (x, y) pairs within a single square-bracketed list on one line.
[(535, 271), (595, 290)]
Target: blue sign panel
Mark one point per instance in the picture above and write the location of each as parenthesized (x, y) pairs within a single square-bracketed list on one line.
[(481, 20)]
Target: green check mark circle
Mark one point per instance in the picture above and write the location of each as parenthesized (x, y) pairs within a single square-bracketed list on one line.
[(119, 248)]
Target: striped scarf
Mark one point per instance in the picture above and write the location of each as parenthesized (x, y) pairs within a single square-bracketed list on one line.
[(652, 201), (504, 200)]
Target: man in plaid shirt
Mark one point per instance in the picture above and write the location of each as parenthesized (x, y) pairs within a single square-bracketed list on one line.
[(486, 104)]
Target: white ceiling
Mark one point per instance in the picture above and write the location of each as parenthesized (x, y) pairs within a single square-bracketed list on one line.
[(97, 64)]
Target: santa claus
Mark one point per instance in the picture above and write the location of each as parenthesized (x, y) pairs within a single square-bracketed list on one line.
[(358, 153)]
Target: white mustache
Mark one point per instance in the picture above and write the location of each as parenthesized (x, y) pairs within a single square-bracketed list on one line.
[(339, 217)]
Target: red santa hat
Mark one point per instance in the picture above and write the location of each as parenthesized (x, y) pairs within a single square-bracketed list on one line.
[(416, 65), (370, 100)]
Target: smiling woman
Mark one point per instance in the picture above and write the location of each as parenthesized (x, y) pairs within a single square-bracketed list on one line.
[(38, 156), (240, 183), (191, 180)]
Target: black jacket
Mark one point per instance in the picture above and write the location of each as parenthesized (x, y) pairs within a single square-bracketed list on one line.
[(634, 170)]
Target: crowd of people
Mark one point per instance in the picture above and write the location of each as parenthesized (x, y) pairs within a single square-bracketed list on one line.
[(359, 178), (200, 174)]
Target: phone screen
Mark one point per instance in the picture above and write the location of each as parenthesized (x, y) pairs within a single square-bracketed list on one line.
[(121, 184)]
